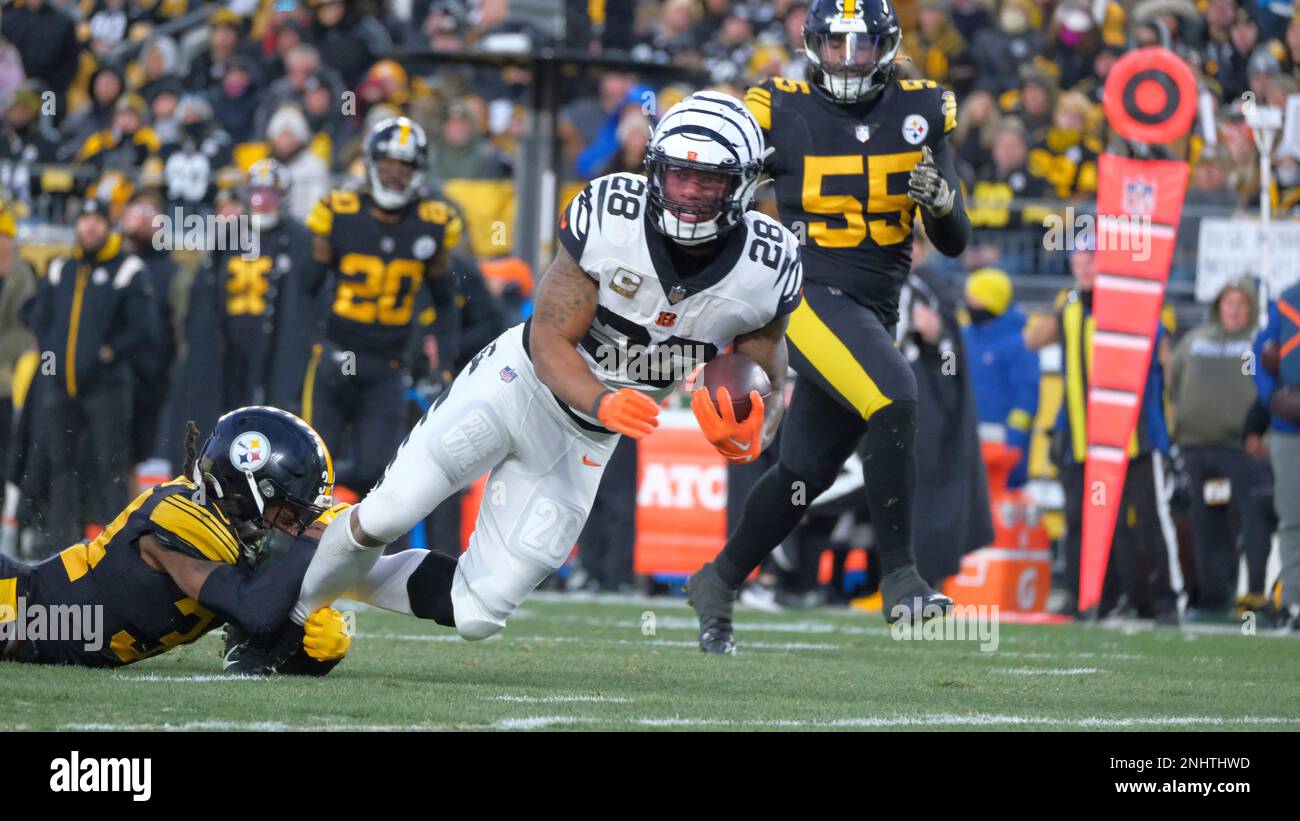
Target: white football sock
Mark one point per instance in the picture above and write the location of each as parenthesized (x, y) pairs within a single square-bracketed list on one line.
[(386, 584), (339, 563)]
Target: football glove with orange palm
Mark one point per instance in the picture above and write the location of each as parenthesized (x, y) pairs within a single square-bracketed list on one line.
[(740, 442)]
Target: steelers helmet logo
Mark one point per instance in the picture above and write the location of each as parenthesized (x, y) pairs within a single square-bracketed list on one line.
[(250, 451)]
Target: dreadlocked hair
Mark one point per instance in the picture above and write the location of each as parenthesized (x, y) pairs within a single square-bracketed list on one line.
[(191, 447)]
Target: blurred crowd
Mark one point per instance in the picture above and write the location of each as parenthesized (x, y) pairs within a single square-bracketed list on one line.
[(144, 109)]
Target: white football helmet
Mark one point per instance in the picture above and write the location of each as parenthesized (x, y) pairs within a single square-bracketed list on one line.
[(714, 138)]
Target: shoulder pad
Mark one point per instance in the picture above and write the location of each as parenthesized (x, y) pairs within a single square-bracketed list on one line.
[(182, 522)]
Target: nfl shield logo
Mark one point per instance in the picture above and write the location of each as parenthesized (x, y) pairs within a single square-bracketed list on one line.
[(508, 374), (1139, 196), (863, 133), (677, 294)]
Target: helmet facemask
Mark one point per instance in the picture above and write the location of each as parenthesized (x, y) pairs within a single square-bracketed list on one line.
[(393, 142), (691, 202), (853, 65)]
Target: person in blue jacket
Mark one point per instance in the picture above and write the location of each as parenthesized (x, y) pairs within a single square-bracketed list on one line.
[(1004, 373), (1277, 379)]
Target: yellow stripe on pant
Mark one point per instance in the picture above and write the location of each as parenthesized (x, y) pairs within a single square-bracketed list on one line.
[(8, 600), (834, 361)]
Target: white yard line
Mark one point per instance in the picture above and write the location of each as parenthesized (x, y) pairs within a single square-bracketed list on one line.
[(939, 720), (1058, 671), (198, 677), (562, 699)]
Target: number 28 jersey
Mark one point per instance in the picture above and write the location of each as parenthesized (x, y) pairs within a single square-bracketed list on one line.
[(656, 319)]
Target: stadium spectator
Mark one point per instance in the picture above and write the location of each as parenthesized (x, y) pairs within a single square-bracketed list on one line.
[(1000, 50), (302, 63), (459, 149), (192, 161), (582, 120), (25, 141), (236, 102), (91, 315), (309, 177), (347, 41), (209, 68), (159, 62), (46, 39), (993, 199), (969, 17), (127, 142), (1004, 373), (978, 120), (1033, 102), (1211, 392), (1277, 378), (938, 50), (1072, 41), (1067, 155), (17, 284), (106, 87)]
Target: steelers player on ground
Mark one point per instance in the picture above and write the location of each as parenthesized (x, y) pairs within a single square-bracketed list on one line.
[(653, 276), (377, 248), (853, 151), (260, 468), (260, 314)]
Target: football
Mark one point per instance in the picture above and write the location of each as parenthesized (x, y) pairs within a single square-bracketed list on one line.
[(739, 375)]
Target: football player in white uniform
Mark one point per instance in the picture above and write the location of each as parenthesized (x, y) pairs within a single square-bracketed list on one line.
[(655, 275)]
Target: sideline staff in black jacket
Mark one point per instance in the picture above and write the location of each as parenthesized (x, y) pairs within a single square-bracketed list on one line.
[(91, 314)]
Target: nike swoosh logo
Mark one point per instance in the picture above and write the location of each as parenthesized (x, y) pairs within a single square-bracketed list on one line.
[(588, 462), (741, 445)]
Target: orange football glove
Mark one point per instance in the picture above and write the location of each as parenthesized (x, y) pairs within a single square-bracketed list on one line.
[(740, 442), (628, 411)]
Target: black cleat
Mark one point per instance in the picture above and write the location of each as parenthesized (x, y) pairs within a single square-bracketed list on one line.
[(905, 596), (714, 602)]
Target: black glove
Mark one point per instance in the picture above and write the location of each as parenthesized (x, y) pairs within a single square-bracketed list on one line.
[(928, 188)]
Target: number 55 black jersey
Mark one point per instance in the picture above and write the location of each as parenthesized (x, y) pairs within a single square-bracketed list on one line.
[(841, 174)]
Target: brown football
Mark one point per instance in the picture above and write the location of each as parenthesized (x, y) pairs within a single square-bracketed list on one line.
[(739, 375)]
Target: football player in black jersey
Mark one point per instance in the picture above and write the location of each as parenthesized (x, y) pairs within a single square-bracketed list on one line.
[(379, 247), (854, 151), (265, 330), (175, 563)]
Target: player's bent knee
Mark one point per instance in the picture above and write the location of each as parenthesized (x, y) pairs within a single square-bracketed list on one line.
[(900, 418), (814, 478)]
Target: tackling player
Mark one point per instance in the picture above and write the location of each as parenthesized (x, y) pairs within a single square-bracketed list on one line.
[(654, 276), (853, 151), (260, 468)]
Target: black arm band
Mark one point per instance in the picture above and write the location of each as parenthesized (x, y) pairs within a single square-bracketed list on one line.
[(594, 413)]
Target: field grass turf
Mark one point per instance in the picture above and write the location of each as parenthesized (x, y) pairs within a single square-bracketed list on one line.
[(589, 664)]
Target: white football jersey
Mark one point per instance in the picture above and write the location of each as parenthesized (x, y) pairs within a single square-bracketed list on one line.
[(655, 323)]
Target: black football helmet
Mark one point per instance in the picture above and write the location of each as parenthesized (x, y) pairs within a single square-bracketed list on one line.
[(401, 139), (851, 46), (257, 455)]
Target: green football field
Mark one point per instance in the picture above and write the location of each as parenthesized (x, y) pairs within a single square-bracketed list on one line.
[(630, 664)]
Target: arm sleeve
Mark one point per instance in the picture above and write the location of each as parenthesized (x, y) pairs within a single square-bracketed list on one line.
[(575, 222), (259, 602), (950, 233)]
